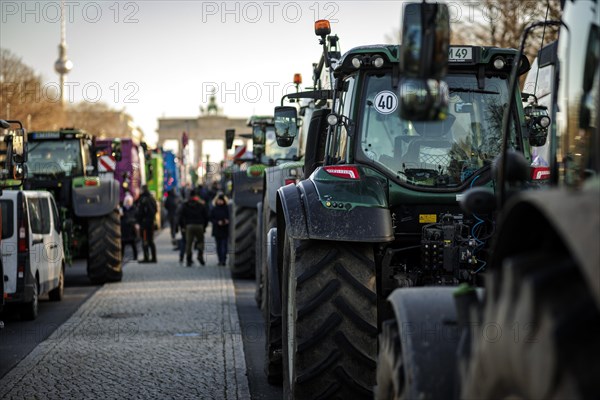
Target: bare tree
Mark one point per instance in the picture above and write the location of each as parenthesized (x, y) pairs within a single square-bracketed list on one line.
[(497, 23), (502, 23), (100, 119), (23, 96)]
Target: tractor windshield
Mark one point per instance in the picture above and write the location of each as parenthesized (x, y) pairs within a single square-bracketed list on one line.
[(274, 152), (52, 158), (441, 154)]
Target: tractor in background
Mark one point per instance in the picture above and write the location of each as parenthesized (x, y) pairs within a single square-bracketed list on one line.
[(64, 162)]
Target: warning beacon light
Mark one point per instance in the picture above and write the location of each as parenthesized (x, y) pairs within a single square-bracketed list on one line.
[(322, 27)]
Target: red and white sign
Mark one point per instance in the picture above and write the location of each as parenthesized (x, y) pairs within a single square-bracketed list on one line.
[(239, 152), (107, 164)]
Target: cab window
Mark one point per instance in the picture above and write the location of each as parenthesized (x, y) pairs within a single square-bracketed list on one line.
[(87, 155), (341, 142)]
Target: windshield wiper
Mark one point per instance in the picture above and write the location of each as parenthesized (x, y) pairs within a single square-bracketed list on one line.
[(470, 90)]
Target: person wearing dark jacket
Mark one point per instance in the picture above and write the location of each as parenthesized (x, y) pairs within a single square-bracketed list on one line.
[(128, 226), (180, 227), (194, 217), (219, 217), (171, 204), (146, 215)]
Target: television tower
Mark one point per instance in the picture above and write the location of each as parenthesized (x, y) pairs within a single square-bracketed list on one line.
[(63, 65)]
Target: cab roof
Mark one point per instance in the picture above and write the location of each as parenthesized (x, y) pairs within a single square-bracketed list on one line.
[(478, 55)]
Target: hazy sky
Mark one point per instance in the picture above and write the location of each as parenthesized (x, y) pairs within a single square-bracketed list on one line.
[(161, 58)]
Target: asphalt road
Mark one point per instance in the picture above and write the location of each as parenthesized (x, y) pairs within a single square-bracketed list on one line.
[(19, 337), (252, 325)]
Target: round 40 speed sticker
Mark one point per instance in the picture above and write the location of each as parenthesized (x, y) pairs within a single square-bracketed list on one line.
[(386, 102)]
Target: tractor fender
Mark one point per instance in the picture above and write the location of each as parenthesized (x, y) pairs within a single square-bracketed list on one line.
[(307, 218), (574, 216), (96, 201), (247, 189), (273, 273), (429, 338), (291, 207)]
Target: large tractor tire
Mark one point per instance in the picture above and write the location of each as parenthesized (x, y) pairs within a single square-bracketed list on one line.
[(329, 317), (391, 376), (104, 253), (243, 237), (269, 222), (540, 336), (273, 361)]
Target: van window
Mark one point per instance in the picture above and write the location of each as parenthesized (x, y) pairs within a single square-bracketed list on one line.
[(45, 208), (35, 216), (7, 218)]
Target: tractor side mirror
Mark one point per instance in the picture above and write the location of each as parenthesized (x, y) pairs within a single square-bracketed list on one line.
[(258, 140), (19, 138), (16, 142), (424, 62), (538, 123), (229, 136), (286, 125), (16, 148), (258, 134)]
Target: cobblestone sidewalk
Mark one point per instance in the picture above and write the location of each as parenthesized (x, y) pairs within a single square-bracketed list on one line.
[(165, 332)]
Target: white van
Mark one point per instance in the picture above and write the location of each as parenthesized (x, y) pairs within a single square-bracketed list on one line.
[(32, 249)]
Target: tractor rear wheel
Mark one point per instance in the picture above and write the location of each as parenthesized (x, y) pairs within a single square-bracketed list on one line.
[(273, 363), (104, 249), (539, 337), (243, 238), (329, 317), (269, 221), (391, 377)]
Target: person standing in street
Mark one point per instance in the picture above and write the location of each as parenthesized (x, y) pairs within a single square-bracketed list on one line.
[(128, 226), (194, 217), (219, 217), (180, 227), (171, 204), (146, 216)]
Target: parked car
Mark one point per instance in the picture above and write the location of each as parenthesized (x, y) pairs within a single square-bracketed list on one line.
[(32, 249)]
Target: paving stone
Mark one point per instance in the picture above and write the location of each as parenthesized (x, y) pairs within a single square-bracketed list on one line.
[(165, 331)]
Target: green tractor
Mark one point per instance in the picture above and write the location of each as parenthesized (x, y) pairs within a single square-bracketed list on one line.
[(64, 162), (382, 210), (247, 192), (542, 289)]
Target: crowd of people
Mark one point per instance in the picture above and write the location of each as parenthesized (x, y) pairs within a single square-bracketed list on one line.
[(189, 213)]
